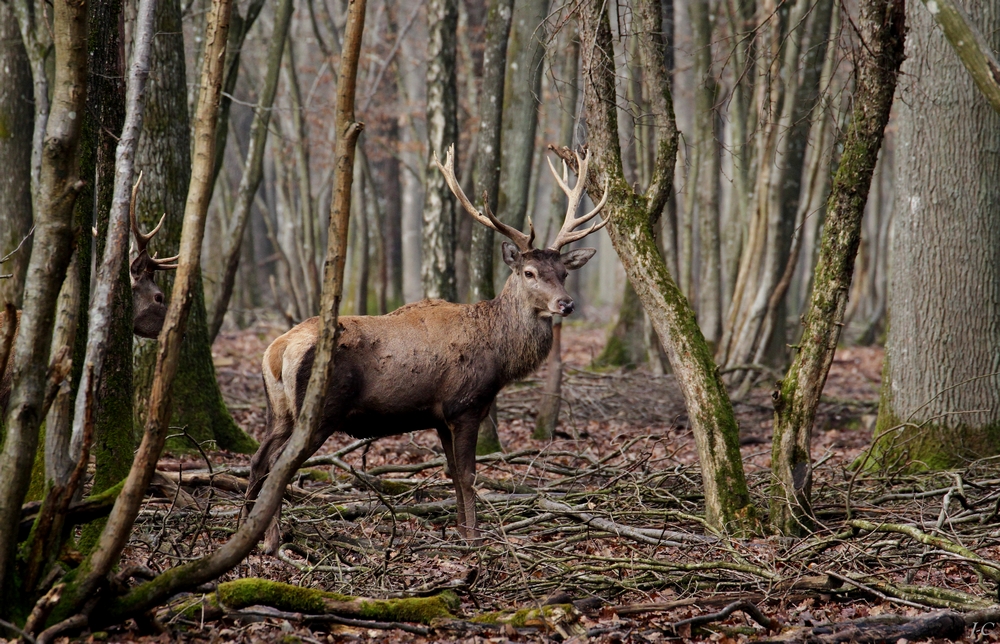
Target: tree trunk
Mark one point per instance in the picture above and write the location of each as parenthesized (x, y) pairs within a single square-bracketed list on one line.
[(16, 117), (488, 158), (58, 184), (522, 88), (438, 252), (940, 403), (164, 157), (626, 343), (727, 499), (114, 438), (795, 401)]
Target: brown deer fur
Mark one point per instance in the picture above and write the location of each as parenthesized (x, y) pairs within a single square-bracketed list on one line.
[(431, 364)]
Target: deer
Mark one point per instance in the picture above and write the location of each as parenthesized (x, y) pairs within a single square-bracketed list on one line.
[(149, 308), (430, 364)]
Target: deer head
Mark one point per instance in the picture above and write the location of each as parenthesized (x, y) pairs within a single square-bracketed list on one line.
[(538, 275), (148, 305)]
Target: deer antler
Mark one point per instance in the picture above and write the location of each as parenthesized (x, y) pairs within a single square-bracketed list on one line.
[(522, 241), (142, 240), (574, 194)]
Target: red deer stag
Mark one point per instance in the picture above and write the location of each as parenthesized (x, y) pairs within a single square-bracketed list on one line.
[(148, 308), (430, 364)]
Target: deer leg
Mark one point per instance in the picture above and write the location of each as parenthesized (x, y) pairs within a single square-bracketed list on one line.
[(447, 442), (464, 436), (276, 436)]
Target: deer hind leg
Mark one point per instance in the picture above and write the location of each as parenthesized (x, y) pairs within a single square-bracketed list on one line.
[(279, 429), (464, 436)]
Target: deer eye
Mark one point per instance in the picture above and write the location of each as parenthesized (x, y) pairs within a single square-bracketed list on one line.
[(529, 274)]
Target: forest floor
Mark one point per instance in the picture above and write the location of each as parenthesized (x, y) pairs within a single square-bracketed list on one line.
[(624, 454)]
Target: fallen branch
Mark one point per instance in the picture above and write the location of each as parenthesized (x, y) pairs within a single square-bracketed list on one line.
[(985, 567), (650, 536), (881, 629), (243, 593), (750, 609)]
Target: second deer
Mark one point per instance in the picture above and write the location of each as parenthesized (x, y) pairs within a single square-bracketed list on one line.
[(431, 364)]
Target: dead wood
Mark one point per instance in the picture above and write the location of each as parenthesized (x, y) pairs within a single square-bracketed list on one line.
[(881, 629), (743, 605)]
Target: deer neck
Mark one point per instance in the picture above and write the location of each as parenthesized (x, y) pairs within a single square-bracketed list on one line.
[(520, 334)]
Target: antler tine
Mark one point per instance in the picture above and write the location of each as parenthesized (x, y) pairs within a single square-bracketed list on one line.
[(142, 240), (522, 241), (574, 195)]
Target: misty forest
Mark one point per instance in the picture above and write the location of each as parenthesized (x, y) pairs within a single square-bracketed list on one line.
[(499, 320)]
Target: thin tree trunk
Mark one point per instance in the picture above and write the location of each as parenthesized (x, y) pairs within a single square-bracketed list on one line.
[(37, 38), (58, 184), (488, 158), (253, 169), (16, 118), (438, 252), (193, 573), (727, 499), (882, 26)]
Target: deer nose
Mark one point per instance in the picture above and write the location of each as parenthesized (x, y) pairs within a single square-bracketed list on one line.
[(566, 306)]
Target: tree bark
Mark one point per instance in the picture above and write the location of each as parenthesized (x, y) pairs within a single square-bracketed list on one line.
[(112, 321), (727, 499), (522, 89), (164, 157), (438, 252), (882, 24), (16, 118), (488, 158), (972, 47), (59, 184), (940, 403), (253, 169)]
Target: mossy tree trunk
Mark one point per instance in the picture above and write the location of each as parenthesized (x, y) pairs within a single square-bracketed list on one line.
[(883, 30), (940, 402), (727, 499), (16, 117), (164, 156)]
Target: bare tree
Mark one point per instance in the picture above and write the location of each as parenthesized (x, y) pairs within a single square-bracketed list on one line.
[(882, 25)]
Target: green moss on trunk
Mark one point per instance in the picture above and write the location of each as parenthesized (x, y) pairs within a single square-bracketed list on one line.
[(248, 592)]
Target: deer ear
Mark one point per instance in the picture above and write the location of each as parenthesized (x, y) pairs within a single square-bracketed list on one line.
[(510, 254), (138, 265), (577, 258)]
